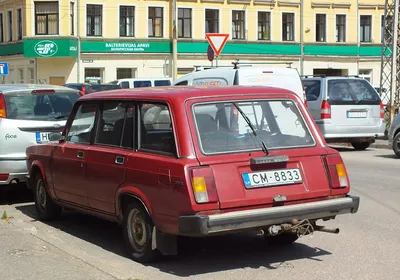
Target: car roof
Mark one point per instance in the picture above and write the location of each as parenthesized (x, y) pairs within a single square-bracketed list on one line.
[(170, 93), (8, 88), (331, 77)]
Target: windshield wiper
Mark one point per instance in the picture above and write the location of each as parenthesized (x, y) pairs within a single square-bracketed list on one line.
[(246, 118), (61, 116)]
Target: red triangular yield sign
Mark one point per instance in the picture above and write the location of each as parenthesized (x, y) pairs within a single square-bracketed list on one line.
[(217, 41)]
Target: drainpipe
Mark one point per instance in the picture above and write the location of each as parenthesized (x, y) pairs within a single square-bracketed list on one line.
[(78, 34), (174, 42), (301, 37)]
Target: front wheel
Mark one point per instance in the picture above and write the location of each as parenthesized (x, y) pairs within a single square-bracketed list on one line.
[(138, 232), (396, 144), (360, 146), (46, 208)]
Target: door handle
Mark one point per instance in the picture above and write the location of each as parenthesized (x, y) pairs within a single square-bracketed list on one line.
[(80, 154), (119, 160)]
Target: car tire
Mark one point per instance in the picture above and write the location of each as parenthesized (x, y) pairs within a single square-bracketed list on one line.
[(396, 145), (138, 232), (360, 146), (46, 208), (285, 238)]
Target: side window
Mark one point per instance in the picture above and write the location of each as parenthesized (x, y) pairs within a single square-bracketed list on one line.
[(156, 131), (161, 83), (82, 125), (138, 84), (124, 84), (183, 83), (116, 125), (313, 89)]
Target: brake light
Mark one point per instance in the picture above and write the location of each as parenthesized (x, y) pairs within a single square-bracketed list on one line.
[(42, 91), (382, 111), (337, 172), (203, 185), (3, 110), (325, 110), (3, 177)]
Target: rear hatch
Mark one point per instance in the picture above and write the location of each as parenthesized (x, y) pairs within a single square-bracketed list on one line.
[(244, 176), (32, 117), (353, 102)]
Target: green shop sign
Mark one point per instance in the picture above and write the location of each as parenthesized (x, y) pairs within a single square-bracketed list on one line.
[(50, 48), (125, 47)]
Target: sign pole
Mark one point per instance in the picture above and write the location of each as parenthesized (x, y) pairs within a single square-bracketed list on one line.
[(216, 61)]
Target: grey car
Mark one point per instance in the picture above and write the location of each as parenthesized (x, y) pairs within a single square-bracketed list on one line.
[(29, 115), (394, 135), (346, 109)]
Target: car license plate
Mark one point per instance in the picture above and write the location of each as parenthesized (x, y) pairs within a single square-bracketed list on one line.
[(356, 114), (44, 137), (272, 178)]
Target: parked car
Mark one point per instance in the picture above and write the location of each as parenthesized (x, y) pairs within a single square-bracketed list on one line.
[(142, 82), (346, 109), (29, 114), (104, 87), (82, 87), (394, 135), (159, 163)]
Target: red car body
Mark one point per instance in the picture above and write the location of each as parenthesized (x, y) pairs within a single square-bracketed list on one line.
[(102, 180)]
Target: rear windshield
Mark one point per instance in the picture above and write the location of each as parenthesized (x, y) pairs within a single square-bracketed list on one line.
[(138, 84), (222, 129), (162, 83), (352, 91), (23, 106)]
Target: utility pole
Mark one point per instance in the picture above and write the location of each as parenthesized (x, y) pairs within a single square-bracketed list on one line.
[(78, 34), (302, 37), (174, 42)]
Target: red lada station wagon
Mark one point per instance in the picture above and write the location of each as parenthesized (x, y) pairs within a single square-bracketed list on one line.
[(192, 161)]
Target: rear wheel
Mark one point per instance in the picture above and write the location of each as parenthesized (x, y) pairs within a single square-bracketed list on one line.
[(285, 238), (46, 209), (138, 232), (360, 146), (396, 144)]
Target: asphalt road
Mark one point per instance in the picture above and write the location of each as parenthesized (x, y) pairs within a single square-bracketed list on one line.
[(81, 247)]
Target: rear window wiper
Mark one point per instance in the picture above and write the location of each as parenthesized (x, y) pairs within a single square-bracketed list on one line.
[(61, 116), (246, 118)]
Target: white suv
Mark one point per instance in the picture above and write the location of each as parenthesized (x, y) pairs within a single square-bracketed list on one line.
[(29, 115)]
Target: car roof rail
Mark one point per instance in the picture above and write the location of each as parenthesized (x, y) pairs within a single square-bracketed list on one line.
[(314, 76), (237, 63), (354, 76), (207, 67)]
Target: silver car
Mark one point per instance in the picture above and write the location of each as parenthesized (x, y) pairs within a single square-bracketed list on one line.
[(394, 135), (29, 115), (346, 109)]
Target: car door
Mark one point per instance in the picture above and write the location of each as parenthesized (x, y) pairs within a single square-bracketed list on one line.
[(107, 157), (312, 88), (68, 161)]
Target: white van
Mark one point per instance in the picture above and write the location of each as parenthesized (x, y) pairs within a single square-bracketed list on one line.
[(280, 77), (143, 82)]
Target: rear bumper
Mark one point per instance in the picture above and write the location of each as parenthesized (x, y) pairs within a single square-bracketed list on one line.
[(331, 131), (203, 225), (15, 168)]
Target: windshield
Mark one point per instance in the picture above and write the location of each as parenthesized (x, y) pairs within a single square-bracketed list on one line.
[(352, 91), (23, 106), (222, 129)]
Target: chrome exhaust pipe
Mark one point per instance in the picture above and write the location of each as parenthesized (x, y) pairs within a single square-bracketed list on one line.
[(326, 229), (14, 181)]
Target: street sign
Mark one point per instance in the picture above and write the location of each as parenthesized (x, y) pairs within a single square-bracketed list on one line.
[(217, 41), (210, 53), (3, 68)]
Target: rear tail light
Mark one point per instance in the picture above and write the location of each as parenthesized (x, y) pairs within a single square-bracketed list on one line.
[(325, 110), (382, 111), (3, 177), (42, 91), (3, 111), (203, 185), (337, 171)]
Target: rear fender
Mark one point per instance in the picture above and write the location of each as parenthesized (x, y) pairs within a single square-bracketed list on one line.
[(135, 193)]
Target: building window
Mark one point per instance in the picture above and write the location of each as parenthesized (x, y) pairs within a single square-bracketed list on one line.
[(10, 29), (320, 28), (31, 75), (287, 26), (264, 26), (94, 20), (184, 23), (94, 75), (212, 21), (238, 25), (21, 76), (46, 18), (126, 73), (155, 21), (340, 28), (365, 29), (365, 74), (19, 22), (1, 29), (126, 21), (72, 17)]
